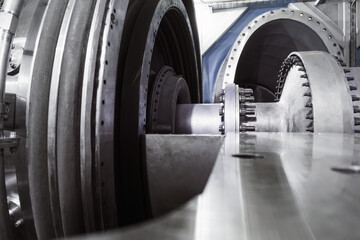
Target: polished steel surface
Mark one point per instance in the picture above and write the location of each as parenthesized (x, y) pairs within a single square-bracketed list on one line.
[(81, 74), (314, 94), (161, 35), (231, 108), (24, 84), (331, 98), (176, 171), (52, 122), (197, 118), (269, 186), (257, 53), (9, 15), (105, 79)]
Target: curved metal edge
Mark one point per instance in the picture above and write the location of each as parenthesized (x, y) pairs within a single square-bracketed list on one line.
[(52, 120), (106, 77), (284, 13), (37, 120), (68, 118), (231, 106), (294, 97), (5, 224), (331, 98), (23, 95), (134, 102), (86, 147), (190, 9)]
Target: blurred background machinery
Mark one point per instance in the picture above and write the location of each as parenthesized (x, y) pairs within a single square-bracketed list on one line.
[(179, 119)]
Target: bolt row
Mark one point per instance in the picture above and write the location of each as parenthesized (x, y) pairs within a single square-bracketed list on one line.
[(245, 110)]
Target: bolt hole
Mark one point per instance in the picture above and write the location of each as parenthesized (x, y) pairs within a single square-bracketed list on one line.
[(354, 169), (247, 156)]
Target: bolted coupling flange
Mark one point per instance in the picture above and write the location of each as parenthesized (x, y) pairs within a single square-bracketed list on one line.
[(236, 110)]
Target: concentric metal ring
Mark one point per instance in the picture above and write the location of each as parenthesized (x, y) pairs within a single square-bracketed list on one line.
[(260, 48)]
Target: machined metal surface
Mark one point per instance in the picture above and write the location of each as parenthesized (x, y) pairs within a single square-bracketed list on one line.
[(176, 171), (9, 15), (88, 80), (168, 92), (257, 54), (148, 51), (67, 74), (331, 99), (353, 79), (198, 118), (232, 115), (313, 94), (269, 186), (105, 199)]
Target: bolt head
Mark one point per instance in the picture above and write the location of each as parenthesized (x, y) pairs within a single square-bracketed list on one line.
[(13, 134), (221, 98), (221, 128)]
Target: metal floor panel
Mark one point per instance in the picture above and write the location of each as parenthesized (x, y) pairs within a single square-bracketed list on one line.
[(270, 186)]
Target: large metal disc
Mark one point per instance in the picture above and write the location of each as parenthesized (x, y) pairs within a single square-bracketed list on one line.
[(258, 52), (37, 120), (162, 35), (313, 95), (70, 64)]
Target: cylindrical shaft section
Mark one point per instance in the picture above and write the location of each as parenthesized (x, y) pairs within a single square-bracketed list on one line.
[(197, 119), (269, 118), (5, 41), (9, 15), (5, 225), (13, 6)]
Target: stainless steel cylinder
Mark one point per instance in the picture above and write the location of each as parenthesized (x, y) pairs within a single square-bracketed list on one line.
[(197, 118), (13, 7)]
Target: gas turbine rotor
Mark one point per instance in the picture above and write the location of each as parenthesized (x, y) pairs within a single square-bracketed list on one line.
[(313, 94), (257, 54)]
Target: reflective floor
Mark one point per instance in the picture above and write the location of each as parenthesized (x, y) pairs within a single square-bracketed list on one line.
[(270, 186)]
